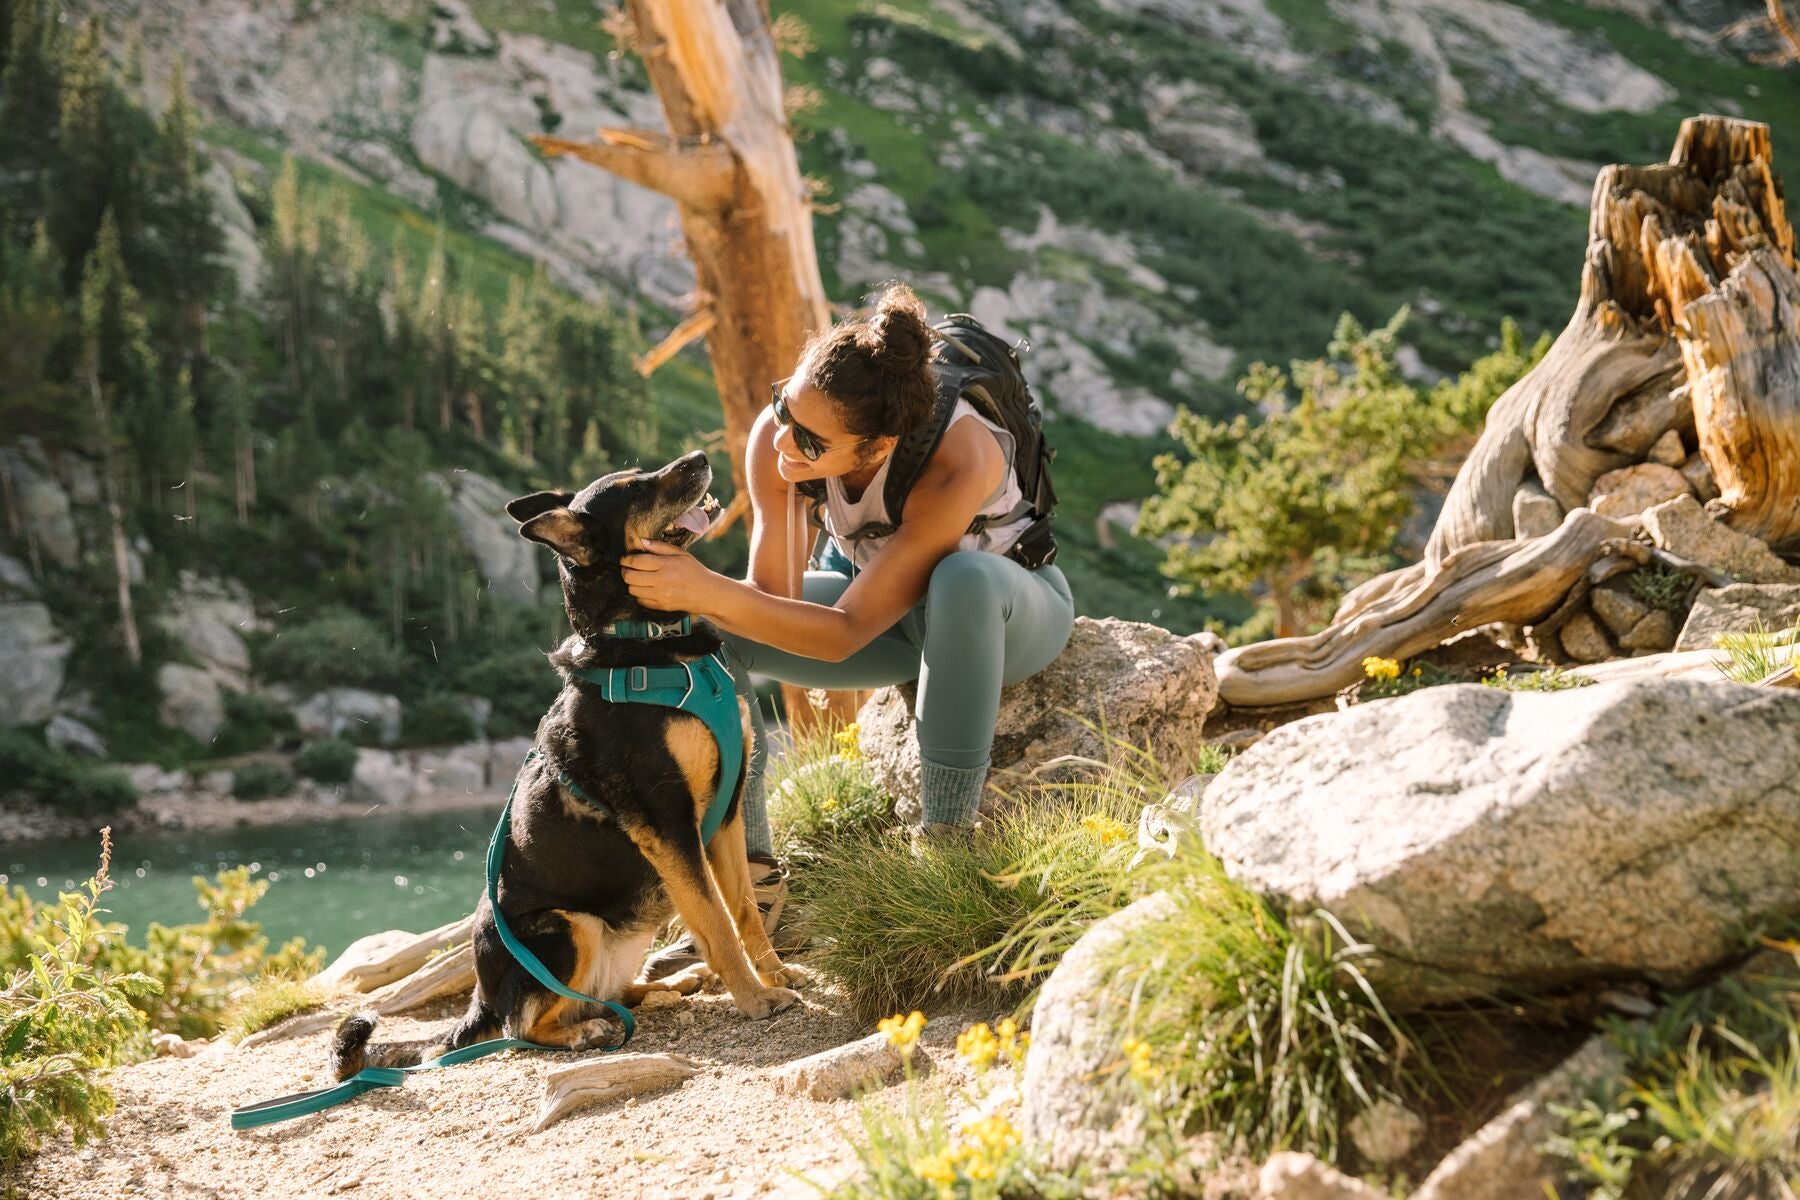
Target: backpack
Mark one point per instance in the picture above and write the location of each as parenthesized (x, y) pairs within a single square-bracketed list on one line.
[(975, 365)]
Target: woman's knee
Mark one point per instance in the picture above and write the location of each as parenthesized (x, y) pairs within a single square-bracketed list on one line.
[(966, 576)]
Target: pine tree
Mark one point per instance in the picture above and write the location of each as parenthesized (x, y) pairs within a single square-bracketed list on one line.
[(186, 242), (84, 165), (30, 107), (180, 443), (117, 365)]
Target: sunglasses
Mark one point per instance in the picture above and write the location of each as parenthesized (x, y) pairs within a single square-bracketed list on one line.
[(809, 443)]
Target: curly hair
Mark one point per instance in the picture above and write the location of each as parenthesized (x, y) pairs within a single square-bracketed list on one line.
[(879, 370)]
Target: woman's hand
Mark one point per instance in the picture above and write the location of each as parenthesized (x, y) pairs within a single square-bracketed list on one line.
[(669, 579)]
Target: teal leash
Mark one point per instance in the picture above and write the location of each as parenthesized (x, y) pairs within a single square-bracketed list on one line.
[(702, 689)]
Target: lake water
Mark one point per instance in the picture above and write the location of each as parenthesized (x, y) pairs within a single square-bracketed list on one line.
[(330, 881)]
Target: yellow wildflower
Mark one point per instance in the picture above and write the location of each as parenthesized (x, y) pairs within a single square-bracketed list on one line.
[(1380, 668), (1106, 829), (995, 1135), (848, 747), (978, 1046), (938, 1169), (903, 1032), (1137, 1057), (828, 803)]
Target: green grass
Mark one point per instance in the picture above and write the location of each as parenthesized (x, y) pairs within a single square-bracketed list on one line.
[(979, 920), (270, 1001), (820, 792), (1710, 1103), (1753, 656)]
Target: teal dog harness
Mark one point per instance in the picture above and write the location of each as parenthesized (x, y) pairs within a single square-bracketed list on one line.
[(701, 688)]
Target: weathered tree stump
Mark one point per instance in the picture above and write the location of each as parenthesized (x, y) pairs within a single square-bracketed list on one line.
[(1688, 319)]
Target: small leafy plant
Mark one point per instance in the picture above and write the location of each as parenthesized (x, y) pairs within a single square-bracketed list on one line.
[(64, 1020), (1659, 587), (1548, 679), (821, 791)]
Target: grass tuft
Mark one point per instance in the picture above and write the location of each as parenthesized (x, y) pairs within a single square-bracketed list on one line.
[(271, 1000), (1753, 656)]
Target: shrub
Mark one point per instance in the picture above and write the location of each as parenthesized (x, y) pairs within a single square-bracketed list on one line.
[(64, 1020), (897, 926), (334, 648), (261, 781), (32, 770), (328, 760), (1659, 587), (436, 718), (252, 722), (519, 683), (820, 790)]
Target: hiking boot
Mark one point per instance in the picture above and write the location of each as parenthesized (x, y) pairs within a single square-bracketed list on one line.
[(769, 884)]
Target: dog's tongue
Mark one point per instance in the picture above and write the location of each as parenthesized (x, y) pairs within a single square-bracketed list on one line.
[(694, 520)]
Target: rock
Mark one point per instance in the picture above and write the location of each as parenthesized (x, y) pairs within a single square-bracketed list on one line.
[(34, 656), (243, 250), (1162, 826), (504, 758), (1739, 608), (507, 562), (1151, 686), (1668, 450), (383, 777), (399, 176), (74, 737), (1682, 527), (148, 778), (1655, 632), (843, 1071), (1583, 640), (353, 712), (1700, 477), (1535, 511), (191, 700), (1618, 608), (1074, 1102), (16, 577), (461, 769), (1501, 1160), (1291, 1175), (454, 29), (1630, 490), (209, 623), (1640, 419), (173, 1045), (1386, 1132), (41, 504), (1479, 837)]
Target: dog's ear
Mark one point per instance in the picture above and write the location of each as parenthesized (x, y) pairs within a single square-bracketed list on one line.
[(562, 531), (527, 507)]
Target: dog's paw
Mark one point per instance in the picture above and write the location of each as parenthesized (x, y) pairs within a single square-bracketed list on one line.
[(768, 1003), (789, 977)]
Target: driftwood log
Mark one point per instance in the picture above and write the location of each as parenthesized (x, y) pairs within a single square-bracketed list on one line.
[(1688, 319)]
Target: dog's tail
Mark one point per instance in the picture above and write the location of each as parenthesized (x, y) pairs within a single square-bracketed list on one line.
[(351, 1051)]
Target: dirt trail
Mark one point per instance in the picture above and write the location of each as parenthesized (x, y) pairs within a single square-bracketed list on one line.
[(464, 1131)]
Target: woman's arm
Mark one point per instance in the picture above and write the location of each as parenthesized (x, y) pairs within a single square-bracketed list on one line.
[(964, 472)]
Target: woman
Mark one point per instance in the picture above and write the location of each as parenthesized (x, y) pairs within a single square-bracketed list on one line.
[(930, 602)]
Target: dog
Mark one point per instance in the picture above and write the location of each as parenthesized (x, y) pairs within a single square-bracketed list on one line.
[(585, 886)]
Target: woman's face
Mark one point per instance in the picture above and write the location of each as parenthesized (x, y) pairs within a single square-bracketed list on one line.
[(814, 411)]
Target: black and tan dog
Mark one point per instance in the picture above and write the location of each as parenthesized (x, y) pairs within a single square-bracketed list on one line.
[(586, 885)]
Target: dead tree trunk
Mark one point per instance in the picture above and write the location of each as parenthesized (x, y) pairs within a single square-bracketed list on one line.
[(1687, 320), (728, 162)]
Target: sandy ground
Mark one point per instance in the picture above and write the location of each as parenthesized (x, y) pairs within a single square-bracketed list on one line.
[(464, 1131)]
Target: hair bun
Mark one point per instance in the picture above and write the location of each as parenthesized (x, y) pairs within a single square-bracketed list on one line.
[(900, 340)]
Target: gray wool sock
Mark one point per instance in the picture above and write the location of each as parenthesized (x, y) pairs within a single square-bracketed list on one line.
[(950, 795)]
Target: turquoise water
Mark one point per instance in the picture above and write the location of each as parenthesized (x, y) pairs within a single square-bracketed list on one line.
[(329, 881)]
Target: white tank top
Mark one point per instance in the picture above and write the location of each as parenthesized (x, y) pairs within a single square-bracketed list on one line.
[(840, 514)]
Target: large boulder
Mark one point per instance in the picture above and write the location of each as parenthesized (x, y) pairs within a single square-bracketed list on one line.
[(508, 563), (1479, 837), (209, 619), (383, 777), (1682, 527), (1739, 608), (355, 713), (34, 655), (191, 700), (1076, 1099), (1142, 683), (40, 502)]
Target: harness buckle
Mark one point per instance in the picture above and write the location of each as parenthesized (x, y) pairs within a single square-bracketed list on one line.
[(638, 680)]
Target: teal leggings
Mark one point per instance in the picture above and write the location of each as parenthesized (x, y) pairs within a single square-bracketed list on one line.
[(985, 621)]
